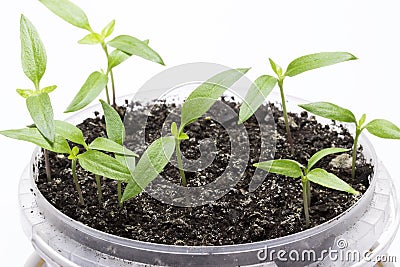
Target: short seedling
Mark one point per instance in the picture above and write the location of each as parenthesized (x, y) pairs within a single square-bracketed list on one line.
[(291, 168), (34, 61), (264, 84), (158, 154), (125, 46), (378, 127)]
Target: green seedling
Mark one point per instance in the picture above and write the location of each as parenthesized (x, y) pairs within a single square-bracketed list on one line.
[(291, 168), (125, 46), (158, 154), (264, 84), (116, 132), (92, 159), (378, 127), (34, 61)]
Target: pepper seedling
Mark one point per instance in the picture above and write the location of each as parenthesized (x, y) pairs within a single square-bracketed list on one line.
[(264, 84), (125, 46), (378, 127), (116, 132), (92, 159), (34, 61), (293, 169), (158, 154)]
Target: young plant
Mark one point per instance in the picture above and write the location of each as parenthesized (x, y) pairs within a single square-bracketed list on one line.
[(291, 168), (34, 61), (158, 154), (264, 84), (116, 132), (92, 159), (125, 46), (378, 127)]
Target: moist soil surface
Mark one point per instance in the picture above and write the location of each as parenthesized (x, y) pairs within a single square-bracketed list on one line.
[(274, 209)]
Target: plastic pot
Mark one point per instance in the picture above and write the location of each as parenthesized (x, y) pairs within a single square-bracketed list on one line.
[(370, 224)]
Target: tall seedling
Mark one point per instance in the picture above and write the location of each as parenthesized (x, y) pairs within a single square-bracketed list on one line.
[(125, 46)]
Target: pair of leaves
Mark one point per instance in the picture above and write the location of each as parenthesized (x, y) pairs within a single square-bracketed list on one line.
[(378, 127), (264, 84), (291, 168)]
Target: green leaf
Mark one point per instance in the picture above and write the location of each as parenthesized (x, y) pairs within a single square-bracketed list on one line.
[(101, 164), (183, 136), (41, 111), (116, 57), (174, 130), (330, 111), (276, 68), (204, 96), (286, 167), (315, 61), (147, 41), (70, 132), (104, 144), (49, 89), (32, 135), (153, 161), (323, 153), (25, 93), (69, 12), (92, 87), (326, 179), (91, 39), (33, 54), (114, 126), (362, 120), (256, 95), (133, 46), (108, 29), (383, 129)]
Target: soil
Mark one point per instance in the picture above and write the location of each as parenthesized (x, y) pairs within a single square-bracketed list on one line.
[(274, 209)]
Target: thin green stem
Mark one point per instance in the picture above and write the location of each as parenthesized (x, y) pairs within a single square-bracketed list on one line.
[(113, 89), (47, 165), (179, 159), (354, 157), (108, 96), (99, 192), (308, 186), (285, 115), (104, 46), (305, 200), (119, 189), (78, 188)]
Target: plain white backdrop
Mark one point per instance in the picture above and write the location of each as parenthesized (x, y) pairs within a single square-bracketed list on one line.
[(230, 32)]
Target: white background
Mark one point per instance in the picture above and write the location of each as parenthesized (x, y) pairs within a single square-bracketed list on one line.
[(233, 33)]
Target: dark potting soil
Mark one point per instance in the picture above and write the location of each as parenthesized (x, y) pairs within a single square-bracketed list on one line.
[(274, 209)]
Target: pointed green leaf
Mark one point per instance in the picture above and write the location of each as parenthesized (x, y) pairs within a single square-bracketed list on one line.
[(41, 111), (183, 136), (323, 153), (276, 68), (204, 96), (25, 93), (362, 120), (174, 130), (147, 41), (75, 151), (32, 135), (92, 87), (383, 129), (153, 161), (101, 164), (326, 179), (315, 61), (286, 167), (49, 89), (33, 53), (108, 29), (69, 12), (91, 39), (104, 144), (114, 126), (330, 111), (256, 95), (133, 46), (116, 57), (70, 132)]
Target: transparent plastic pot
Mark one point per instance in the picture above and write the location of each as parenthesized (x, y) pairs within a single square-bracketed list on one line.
[(369, 225)]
